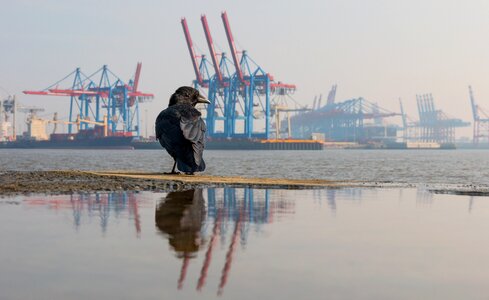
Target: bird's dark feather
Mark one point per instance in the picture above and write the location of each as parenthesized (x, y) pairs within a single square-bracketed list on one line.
[(181, 131)]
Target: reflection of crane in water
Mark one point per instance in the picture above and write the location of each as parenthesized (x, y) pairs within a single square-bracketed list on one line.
[(226, 208), (424, 197), (331, 196), (100, 205), (208, 254), (229, 257)]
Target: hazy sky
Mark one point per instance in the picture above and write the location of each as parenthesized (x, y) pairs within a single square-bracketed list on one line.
[(378, 49)]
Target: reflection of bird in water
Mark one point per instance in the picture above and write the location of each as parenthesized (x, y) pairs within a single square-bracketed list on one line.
[(181, 130), (180, 217)]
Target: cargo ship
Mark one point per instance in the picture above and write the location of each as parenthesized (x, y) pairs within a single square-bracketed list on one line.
[(241, 144), (295, 144), (82, 140), (72, 142), (97, 137), (100, 137)]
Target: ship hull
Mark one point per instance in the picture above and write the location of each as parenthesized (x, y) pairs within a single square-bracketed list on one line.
[(89, 143), (244, 144), (237, 144)]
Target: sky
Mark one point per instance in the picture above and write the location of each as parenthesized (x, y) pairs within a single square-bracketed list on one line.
[(381, 50)]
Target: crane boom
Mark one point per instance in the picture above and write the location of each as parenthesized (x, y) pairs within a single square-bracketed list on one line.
[(191, 50), (212, 51), (475, 112), (136, 77), (331, 95), (232, 47), (135, 83), (403, 115), (319, 100)]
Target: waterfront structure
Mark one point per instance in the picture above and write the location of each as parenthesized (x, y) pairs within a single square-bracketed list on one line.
[(243, 95), (481, 121), (100, 98)]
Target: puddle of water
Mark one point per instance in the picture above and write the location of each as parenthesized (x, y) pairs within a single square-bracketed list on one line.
[(245, 243)]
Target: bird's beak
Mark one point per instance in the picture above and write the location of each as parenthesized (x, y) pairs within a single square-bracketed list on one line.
[(202, 99)]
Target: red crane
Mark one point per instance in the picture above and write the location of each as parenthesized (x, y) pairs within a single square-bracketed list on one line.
[(191, 50), (135, 83), (212, 51), (239, 71), (232, 46)]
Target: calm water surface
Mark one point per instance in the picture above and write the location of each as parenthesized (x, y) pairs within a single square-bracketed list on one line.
[(245, 244), (400, 166)]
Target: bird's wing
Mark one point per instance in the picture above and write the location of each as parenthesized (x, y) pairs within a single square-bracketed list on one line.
[(168, 132), (193, 129), (159, 126)]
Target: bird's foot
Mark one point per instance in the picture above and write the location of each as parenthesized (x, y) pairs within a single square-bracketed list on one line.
[(172, 173), (189, 173)]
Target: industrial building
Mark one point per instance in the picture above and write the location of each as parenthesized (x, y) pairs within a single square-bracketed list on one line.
[(7, 119)]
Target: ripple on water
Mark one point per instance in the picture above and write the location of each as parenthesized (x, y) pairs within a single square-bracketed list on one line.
[(423, 166)]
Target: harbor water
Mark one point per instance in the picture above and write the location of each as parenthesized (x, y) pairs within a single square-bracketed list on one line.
[(440, 167), (245, 244), (400, 242)]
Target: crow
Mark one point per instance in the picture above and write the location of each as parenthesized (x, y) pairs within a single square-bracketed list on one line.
[(181, 131)]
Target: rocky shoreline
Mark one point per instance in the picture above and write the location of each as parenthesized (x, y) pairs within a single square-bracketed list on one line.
[(74, 181), (68, 182)]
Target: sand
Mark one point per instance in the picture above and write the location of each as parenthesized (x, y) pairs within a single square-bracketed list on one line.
[(69, 182), (62, 182)]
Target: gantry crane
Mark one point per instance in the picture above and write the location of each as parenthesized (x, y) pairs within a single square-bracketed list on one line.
[(219, 86), (481, 121), (434, 124), (344, 121), (91, 96), (238, 98)]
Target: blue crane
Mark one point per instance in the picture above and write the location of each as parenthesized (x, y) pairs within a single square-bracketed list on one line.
[(240, 98), (481, 120), (98, 97)]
